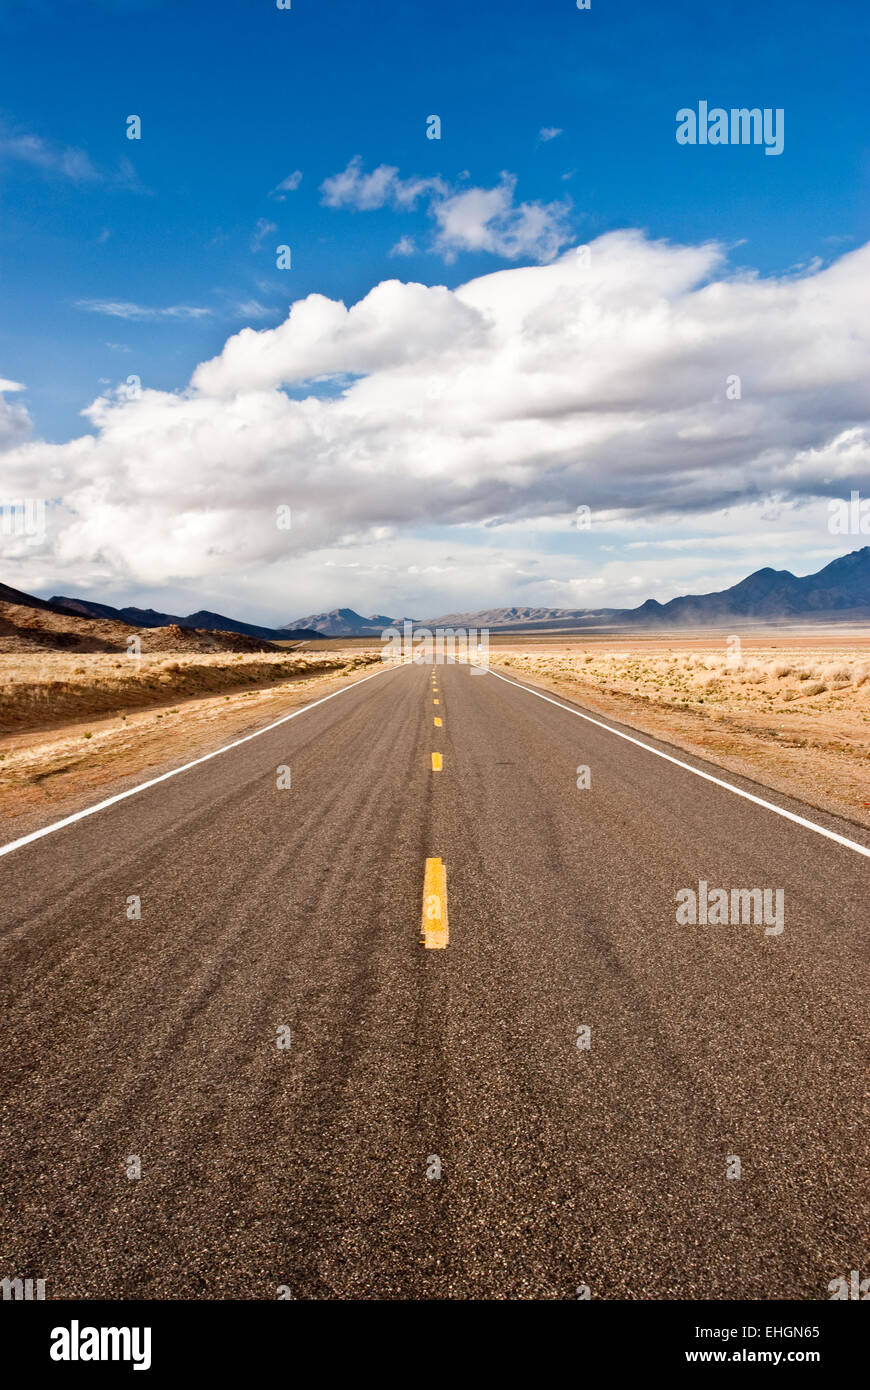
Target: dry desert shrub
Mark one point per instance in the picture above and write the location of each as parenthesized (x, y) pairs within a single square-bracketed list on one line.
[(838, 674), (36, 688), (766, 678)]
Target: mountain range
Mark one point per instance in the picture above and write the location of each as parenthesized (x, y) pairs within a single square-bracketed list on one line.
[(29, 624), (838, 592), (203, 620)]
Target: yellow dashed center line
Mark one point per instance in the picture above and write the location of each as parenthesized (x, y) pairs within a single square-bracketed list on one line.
[(437, 762), (436, 702), (434, 930), (437, 722)]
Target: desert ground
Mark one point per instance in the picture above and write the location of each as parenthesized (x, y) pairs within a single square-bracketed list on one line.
[(789, 708)]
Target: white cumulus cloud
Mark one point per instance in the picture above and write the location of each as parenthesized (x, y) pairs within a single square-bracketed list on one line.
[(600, 378), (363, 192), (14, 419), (488, 219), (466, 218)]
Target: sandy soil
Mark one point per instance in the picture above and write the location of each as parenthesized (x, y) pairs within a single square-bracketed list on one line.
[(47, 689)]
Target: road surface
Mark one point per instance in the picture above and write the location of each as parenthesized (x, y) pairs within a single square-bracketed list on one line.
[(296, 915)]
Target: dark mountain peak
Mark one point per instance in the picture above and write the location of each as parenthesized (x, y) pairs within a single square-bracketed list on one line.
[(150, 617), (82, 608), (762, 581), (346, 622), (847, 564), (203, 620)]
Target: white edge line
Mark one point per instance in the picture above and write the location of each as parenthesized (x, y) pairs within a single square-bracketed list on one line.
[(164, 776), (708, 777)]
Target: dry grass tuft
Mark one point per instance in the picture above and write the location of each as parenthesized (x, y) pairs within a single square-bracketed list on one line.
[(43, 688)]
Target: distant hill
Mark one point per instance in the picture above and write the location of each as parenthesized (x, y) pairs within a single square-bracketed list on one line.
[(28, 623), (17, 596), (203, 620), (842, 588), (527, 619), (840, 591), (344, 622)]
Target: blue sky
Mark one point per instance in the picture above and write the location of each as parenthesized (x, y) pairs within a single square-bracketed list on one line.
[(124, 257)]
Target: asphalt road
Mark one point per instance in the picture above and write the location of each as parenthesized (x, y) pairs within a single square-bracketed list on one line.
[(311, 1167)]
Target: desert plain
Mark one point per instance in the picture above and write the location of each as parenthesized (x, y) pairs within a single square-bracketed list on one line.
[(787, 708)]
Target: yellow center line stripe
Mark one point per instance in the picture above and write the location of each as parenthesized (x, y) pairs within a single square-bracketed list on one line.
[(436, 702), (434, 930), (437, 722), (437, 762)]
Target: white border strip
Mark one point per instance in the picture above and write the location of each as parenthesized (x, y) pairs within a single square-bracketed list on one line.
[(708, 777), (131, 791)]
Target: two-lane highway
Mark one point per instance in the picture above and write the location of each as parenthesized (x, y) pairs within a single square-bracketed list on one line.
[(316, 1100)]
